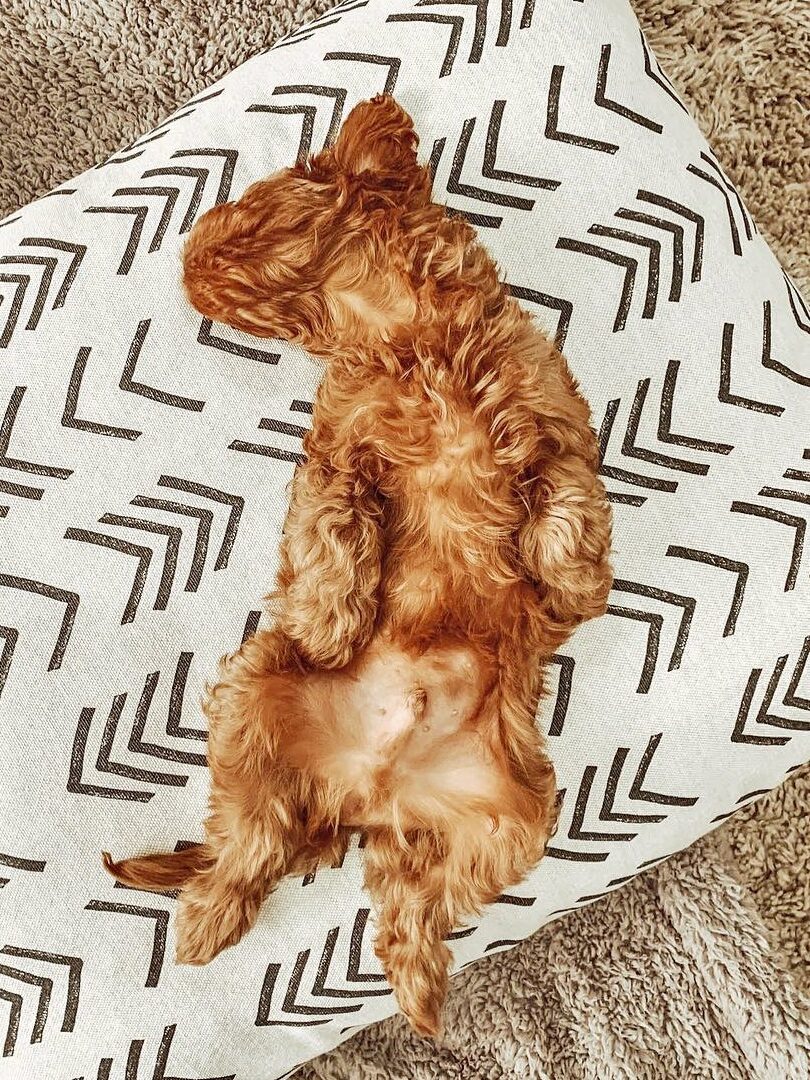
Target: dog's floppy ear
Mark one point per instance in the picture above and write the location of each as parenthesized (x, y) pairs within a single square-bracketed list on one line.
[(377, 137)]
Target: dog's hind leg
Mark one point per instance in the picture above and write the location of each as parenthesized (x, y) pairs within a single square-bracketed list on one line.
[(423, 890), (263, 811)]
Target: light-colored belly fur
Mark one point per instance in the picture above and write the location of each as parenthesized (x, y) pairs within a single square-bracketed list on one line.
[(405, 733)]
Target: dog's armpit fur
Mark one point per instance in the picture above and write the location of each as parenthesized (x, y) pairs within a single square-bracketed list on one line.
[(446, 535)]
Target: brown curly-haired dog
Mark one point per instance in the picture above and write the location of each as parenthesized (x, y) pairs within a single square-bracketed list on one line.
[(445, 536)]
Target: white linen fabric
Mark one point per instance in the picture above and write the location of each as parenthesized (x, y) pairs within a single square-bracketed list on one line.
[(144, 461)]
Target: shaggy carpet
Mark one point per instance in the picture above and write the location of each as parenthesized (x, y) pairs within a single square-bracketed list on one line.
[(673, 976)]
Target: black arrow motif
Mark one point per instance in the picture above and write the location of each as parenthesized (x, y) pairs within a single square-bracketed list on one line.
[(655, 624), (19, 464), (653, 71), (483, 221), (456, 24), (33, 866), (748, 224), (629, 264), (604, 102), (161, 918), (205, 519), (170, 196), (105, 764), (725, 395), (768, 360), (353, 973), (627, 476), (793, 521), (50, 592), (336, 93), (49, 265), (200, 175), (556, 303), (136, 742), (114, 543), (687, 604), (206, 336), (134, 386), (308, 112), (139, 215), (456, 186), (45, 986), (490, 170), (75, 784), (566, 665), (553, 131), (734, 566), (688, 214), (764, 716), (76, 252), (797, 304), (173, 537), (631, 449), (280, 427), (653, 246), (665, 432), (676, 231), (16, 1001), (184, 172), (74, 966), (715, 183), (575, 829), (9, 635), (92, 427), (480, 31), (393, 63), (636, 792), (235, 503), (20, 282), (291, 1005)]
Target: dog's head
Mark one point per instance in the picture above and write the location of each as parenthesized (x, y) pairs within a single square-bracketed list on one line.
[(319, 253)]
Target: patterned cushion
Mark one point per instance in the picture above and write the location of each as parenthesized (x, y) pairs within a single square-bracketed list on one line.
[(144, 460)]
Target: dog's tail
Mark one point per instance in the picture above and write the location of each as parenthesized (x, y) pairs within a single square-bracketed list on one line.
[(166, 870)]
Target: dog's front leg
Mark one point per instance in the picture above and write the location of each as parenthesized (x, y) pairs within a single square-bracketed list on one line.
[(331, 559)]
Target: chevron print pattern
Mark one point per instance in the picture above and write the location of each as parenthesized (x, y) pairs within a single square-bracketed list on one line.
[(145, 461)]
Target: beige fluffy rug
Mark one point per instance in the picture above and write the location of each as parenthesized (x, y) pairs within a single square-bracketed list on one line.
[(671, 977)]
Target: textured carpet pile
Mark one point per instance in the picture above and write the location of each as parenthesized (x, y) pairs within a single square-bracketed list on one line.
[(695, 969)]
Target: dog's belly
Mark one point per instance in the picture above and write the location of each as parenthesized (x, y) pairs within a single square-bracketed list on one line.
[(403, 734)]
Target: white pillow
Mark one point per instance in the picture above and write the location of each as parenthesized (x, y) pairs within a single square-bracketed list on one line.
[(144, 458)]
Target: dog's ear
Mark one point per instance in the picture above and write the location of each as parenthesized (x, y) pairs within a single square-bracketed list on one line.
[(378, 137)]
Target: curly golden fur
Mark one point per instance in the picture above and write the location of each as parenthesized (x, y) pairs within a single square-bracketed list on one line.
[(446, 534)]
